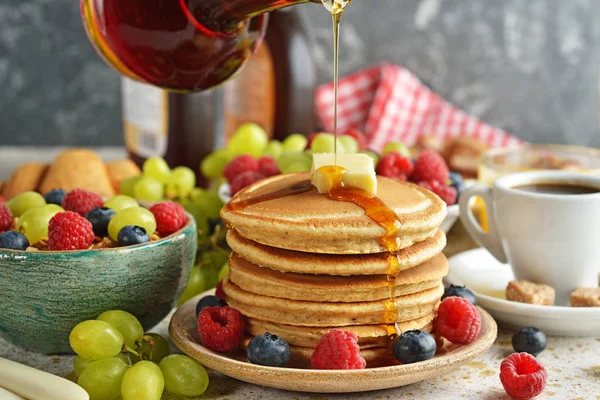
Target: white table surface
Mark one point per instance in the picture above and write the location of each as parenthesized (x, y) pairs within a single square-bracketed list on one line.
[(573, 364)]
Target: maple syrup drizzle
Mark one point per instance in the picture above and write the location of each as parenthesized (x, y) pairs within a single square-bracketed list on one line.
[(298, 188)]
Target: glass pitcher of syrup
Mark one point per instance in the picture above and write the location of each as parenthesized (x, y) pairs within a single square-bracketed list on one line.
[(178, 45)]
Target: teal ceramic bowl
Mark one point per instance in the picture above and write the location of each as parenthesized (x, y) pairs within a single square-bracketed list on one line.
[(43, 295)]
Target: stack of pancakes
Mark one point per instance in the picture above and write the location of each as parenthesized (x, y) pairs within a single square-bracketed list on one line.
[(303, 264)]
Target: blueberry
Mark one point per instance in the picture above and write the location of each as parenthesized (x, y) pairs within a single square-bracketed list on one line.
[(130, 235), (13, 241), (268, 350), (460, 291), (55, 196), (457, 182), (209, 301), (100, 217), (414, 346), (529, 340)]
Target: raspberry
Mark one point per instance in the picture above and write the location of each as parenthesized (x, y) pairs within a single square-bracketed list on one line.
[(446, 193), (457, 320), (245, 179), (238, 166), (69, 231), (522, 376), (170, 217), (430, 166), (359, 136), (81, 201), (394, 165), (309, 140), (268, 167), (338, 350), (219, 290), (220, 328), (6, 218)]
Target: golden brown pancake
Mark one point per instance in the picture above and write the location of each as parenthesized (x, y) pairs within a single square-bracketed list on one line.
[(329, 264), (309, 313), (314, 223), (327, 288), (308, 336)]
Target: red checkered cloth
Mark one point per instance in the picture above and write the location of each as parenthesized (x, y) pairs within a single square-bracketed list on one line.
[(389, 103)]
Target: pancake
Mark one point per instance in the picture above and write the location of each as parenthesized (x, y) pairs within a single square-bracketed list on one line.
[(331, 264), (308, 336), (327, 288), (308, 313), (311, 222)]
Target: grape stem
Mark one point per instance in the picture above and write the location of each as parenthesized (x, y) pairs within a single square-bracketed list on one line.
[(130, 350)]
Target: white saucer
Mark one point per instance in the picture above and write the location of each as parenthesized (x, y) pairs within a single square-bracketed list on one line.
[(488, 278)]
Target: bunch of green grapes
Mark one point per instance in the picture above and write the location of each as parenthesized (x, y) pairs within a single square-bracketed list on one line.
[(116, 359)]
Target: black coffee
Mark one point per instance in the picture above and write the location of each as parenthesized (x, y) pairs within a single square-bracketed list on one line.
[(558, 188)]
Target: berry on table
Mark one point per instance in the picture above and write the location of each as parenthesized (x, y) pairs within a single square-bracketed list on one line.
[(239, 165), (81, 201), (243, 180), (12, 240), (460, 291), (69, 231), (220, 328), (458, 320), (431, 166), (131, 235), (100, 217), (446, 193), (55, 196), (268, 350), (522, 376), (394, 165), (170, 217), (457, 182), (219, 290), (414, 346), (338, 349), (268, 167), (6, 218), (529, 340), (209, 301)]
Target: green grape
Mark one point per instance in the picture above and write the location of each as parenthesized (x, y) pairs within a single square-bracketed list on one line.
[(184, 181), (79, 364), (224, 271), (95, 340), (124, 322), (25, 201), (212, 166), (248, 139), (295, 142), (196, 285), (349, 144), (156, 351), (371, 154), (397, 147), (297, 167), (120, 202), (138, 216), (126, 186), (211, 263), (274, 149), (143, 381), (147, 188), (323, 143), (34, 223), (183, 376), (102, 379), (209, 202), (201, 221), (291, 157), (157, 168)]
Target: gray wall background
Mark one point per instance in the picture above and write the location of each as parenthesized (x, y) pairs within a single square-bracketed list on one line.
[(528, 66)]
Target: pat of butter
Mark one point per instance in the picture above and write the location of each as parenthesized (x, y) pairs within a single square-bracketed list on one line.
[(354, 171)]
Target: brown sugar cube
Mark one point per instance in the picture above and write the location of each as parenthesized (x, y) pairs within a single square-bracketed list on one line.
[(585, 297), (529, 292)]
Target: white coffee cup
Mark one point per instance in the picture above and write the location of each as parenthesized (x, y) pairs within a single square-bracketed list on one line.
[(546, 238)]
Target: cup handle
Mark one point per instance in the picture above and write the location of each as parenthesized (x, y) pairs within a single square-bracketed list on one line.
[(490, 239)]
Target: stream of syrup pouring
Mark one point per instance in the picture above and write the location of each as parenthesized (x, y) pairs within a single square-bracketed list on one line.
[(373, 206)]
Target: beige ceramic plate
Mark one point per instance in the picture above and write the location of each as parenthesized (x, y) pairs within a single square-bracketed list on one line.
[(182, 330)]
